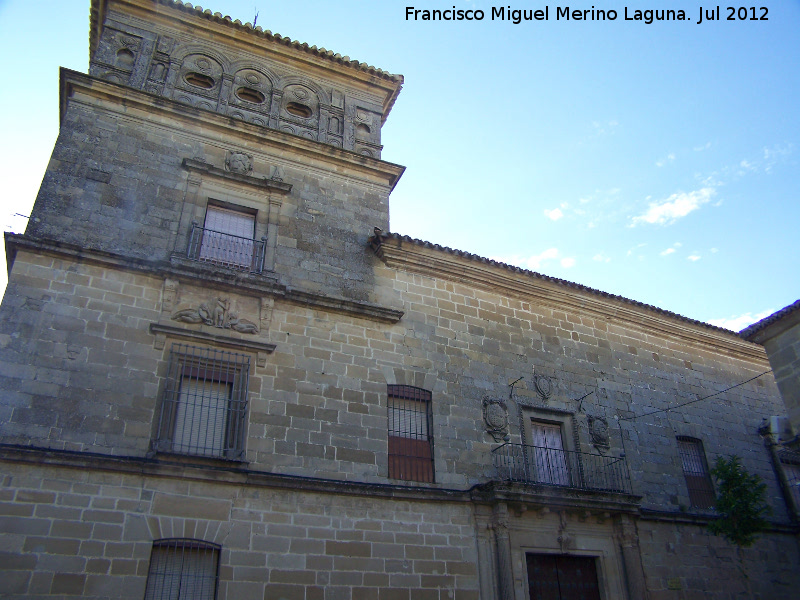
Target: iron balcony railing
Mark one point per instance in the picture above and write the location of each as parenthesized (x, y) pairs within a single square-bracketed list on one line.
[(226, 250), (564, 468)]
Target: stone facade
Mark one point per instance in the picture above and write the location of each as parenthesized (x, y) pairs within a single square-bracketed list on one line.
[(327, 330), (779, 333)]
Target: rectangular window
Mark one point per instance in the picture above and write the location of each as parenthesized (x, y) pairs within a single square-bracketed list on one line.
[(227, 239), (410, 434), (182, 569), (549, 461), (695, 470), (205, 403)]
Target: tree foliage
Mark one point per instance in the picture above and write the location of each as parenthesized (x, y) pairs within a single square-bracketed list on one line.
[(740, 503)]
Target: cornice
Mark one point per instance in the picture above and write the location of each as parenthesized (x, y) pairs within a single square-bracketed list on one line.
[(207, 276), (117, 98), (403, 253)]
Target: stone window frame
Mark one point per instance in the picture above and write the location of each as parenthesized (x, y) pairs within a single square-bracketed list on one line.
[(410, 454), (182, 406), (209, 185), (182, 569), (566, 420)]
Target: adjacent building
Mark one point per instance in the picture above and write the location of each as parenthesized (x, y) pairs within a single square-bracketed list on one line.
[(222, 376)]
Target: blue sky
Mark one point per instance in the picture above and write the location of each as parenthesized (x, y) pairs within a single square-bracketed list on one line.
[(658, 162)]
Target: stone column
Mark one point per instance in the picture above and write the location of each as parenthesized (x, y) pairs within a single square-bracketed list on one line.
[(628, 539), (505, 575)]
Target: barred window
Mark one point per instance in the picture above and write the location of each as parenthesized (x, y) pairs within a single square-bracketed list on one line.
[(205, 403), (695, 470), (410, 439), (182, 569)]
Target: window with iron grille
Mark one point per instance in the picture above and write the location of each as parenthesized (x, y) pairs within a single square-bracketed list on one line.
[(205, 403), (695, 470), (182, 569), (410, 434)]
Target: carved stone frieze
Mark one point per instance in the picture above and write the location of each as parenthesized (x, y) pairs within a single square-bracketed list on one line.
[(215, 313), (495, 417)]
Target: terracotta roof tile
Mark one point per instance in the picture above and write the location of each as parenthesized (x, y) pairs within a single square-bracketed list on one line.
[(748, 332)]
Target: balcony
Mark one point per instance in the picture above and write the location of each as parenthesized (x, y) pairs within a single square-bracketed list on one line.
[(561, 468), (226, 250)]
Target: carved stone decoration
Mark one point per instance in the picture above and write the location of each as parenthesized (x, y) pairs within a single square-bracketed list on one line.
[(170, 294), (544, 386), (598, 433), (495, 416), (239, 162), (215, 313)]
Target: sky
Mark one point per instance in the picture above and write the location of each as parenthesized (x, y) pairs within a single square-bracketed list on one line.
[(655, 161)]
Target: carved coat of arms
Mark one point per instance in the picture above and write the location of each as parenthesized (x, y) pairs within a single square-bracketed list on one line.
[(495, 417)]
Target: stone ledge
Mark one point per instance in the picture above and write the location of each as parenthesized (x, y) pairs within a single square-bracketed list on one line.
[(234, 475), (202, 275), (168, 331)]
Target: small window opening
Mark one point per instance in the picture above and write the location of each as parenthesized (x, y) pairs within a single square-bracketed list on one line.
[(250, 95), (199, 80), (299, 110), (362, 131), (125, 58)]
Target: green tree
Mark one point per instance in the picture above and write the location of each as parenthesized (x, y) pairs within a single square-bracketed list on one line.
[(740, 503)]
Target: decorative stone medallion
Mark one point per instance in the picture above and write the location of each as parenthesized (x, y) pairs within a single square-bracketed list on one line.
[(495, 416), (239, 162), (544, 386), (598, 432)]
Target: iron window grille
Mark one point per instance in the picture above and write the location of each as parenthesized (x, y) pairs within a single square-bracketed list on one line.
[(183, 569), (410, 434), (695, 470), (227, 239), (205, 403)]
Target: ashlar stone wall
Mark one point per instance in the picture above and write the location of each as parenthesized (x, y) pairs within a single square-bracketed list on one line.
[(85, 532)]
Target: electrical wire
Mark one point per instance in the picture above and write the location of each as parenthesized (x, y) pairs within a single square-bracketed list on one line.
[(661, 410)]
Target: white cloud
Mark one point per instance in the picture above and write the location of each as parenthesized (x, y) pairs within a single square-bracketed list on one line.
[(739, 322), (673, 208), (714, 250), (706, 146), (663, 161), (693, 257), (567, 262), (601, 258), (531, 262), (671, 250), (554, 215)]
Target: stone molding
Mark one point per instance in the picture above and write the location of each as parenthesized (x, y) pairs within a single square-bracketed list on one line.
[(202, 275), (162, 332), (401, 254), (271, 185)]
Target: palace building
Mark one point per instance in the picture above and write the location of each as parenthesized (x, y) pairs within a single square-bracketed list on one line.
[(222, 375)]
